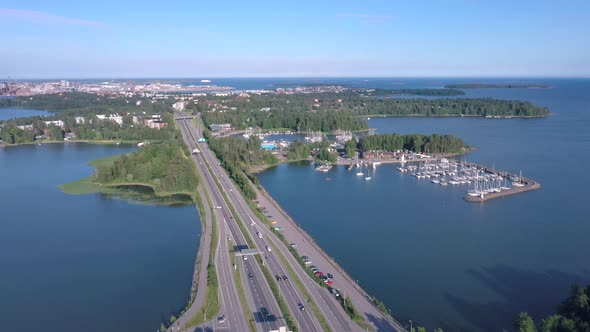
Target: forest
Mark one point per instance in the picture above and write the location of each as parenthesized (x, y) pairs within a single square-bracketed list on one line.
[(573, 314), (237, 155), (414, 92), (166, 167), (413, 142), (330, 111), (80, 102)]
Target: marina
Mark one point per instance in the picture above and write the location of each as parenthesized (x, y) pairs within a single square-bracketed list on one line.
[(488, 183)]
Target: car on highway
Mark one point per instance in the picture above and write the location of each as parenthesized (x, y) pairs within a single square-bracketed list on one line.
[(301, 307), (335, 292), (250, 275), (221, 319), (268, 248), (278, 277), (285, 277), (264, 312), (245, 258)]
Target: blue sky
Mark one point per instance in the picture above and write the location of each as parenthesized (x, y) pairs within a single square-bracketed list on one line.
[(75, 39)]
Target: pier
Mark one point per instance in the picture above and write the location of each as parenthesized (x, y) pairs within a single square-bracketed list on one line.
[(528, 185)]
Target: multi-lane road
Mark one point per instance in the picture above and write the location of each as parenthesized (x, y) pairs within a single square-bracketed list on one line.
[(262, 305)]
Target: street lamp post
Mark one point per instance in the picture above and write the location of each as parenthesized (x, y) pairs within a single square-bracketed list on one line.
[(411, 328)]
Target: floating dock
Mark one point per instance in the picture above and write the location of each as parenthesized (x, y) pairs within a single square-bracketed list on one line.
[(528, 185)]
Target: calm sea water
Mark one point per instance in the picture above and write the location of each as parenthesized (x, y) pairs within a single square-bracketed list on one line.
[(86, 263), (7, 113), (443, 262)]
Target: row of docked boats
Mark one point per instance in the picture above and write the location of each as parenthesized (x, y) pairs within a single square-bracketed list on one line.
[(444, 172)]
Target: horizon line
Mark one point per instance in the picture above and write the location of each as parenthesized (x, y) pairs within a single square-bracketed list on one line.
[(10, 78)]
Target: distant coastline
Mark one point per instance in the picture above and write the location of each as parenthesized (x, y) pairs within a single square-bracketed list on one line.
[(495, 86)]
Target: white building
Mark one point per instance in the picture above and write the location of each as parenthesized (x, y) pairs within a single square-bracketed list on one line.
[(80, 120), (179, 105), (57, 123), (25, 127), (111, 117)]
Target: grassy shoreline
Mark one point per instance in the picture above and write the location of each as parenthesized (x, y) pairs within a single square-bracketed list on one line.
[(87, 141), (139, 191)]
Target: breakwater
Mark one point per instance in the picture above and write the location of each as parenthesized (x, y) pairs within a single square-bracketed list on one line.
[(526, 185)]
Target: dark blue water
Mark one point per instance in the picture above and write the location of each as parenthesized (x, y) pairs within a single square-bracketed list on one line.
[(13, 113), (86, 263), (443, 262)]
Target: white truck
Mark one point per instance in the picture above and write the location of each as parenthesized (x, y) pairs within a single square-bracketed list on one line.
[(196, 150)]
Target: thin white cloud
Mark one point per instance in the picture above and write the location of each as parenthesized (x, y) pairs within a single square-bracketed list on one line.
[(41, 17), (368, 18)]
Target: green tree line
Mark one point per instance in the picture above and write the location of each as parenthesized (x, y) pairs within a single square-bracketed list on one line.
[(413, 142), (573, 315), (415, 92), (330, 111), (82, 102)]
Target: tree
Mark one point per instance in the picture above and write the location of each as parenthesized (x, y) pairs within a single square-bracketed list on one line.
[(524, 323), (350, 147), (162, 327)]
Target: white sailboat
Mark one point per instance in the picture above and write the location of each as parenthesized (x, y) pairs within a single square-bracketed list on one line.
[(518, 182), (368, 177), (360, 172)]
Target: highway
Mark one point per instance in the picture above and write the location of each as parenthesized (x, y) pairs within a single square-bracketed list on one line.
[(263, 306), (326, 302), (228, 297)]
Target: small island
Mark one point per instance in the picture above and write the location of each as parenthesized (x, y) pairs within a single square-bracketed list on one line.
[(156, 174), (495, 86)]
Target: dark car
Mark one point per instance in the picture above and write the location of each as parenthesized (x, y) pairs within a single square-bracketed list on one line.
[(250, 275), (265, 314), (285, 277), (301, 307), (330, 276), (278, 277)]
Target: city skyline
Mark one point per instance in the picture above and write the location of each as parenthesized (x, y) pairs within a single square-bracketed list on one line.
[(332, 39)]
